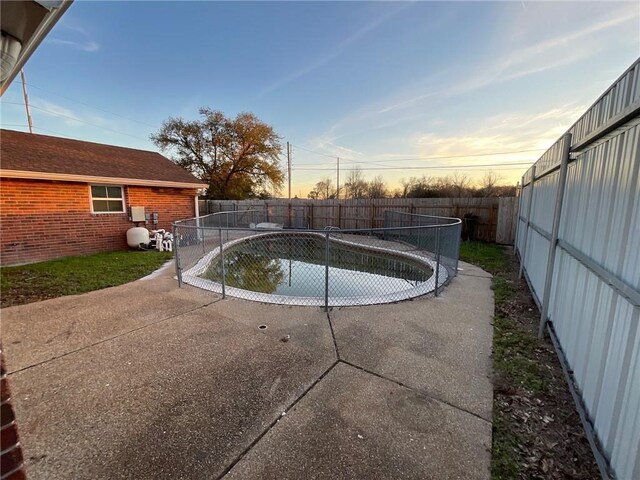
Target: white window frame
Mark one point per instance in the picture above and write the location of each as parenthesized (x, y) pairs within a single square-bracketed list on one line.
[(122, 197)]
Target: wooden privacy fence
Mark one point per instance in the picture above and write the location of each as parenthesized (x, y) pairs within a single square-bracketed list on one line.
[(494, 219)]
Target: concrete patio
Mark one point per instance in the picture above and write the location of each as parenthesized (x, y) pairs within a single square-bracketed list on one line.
[(147, 380)]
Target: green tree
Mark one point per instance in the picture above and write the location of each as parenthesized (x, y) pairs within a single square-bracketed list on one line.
[(237, 157)]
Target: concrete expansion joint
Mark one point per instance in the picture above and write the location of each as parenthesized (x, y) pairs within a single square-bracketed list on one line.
[(275, 422), (403, 385), (333, 336), (313, 385), (419, 392)]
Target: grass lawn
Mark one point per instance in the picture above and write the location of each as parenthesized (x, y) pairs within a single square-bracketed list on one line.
[(73, 275), (536, 429)]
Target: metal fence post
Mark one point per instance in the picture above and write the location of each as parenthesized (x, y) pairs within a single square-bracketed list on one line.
[(176, 241), (222, 269), (557, 213), (437, 258), (326, 273), (458, 233), (526, 225)]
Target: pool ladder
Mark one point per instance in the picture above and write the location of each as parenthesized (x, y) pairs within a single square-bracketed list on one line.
[(331, 228)]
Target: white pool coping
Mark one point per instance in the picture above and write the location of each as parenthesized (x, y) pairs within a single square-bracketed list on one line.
[(192, 277), (156, 273)]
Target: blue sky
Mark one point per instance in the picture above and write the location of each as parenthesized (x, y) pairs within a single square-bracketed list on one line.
[(383, 85)]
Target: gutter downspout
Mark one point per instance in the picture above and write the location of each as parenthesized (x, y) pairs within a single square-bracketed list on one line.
[(45, 26)]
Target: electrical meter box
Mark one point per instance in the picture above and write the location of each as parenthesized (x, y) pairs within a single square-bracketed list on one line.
[(137, 214)]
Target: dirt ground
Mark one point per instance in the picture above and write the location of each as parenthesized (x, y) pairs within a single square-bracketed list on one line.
[(537, 430)]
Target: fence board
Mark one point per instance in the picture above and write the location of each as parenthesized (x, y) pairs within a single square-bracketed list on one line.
[(495, 223), (506, 223)]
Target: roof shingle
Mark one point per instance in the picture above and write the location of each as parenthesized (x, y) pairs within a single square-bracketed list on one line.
[(42, 153)]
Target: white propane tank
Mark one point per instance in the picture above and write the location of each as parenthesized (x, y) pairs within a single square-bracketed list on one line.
[(136, 236)]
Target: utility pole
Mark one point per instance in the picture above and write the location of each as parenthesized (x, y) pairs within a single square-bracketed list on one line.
[(338, 178), (289, 167), (26, 101)]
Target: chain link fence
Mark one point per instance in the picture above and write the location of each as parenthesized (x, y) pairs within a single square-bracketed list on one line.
[(249, 254)]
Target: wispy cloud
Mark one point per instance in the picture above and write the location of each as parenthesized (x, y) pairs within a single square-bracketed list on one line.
[(522, 62), (80, 39), (516, 63), (334, 52), (70, 117), (509, 132), (84, 46), (524, 135), (338, 151)]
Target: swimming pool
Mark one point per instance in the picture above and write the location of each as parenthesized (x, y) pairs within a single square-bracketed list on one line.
[(291, 268)]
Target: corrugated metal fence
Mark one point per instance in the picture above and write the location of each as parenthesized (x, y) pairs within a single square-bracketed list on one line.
[(578, 240), (495, 222)]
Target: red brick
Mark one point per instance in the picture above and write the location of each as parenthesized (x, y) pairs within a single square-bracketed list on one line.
[(5, 393), (6, 414), (37, 227), (17, 475), (11, 460), (8, 437)]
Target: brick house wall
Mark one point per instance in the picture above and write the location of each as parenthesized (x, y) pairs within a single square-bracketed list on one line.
[(43, 220), (12, 461)]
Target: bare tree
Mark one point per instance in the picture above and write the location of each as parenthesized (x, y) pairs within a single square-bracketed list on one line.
[(489, 184), (397, 193), (325, 189), (423, 187), (356, 185), (456, 185), (410, 187), (460, 184), (377, 188)]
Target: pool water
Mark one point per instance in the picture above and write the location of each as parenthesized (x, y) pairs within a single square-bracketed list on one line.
[(295, 266)]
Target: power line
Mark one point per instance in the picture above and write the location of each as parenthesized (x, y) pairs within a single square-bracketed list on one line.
[(432, 167), (315, 164), (330, 156), (443, 157), (35, 128), (92, 106), (313, 151), (380, 164), (58, 114)]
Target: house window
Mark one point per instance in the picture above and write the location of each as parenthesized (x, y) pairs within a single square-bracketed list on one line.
[(107, 199)]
